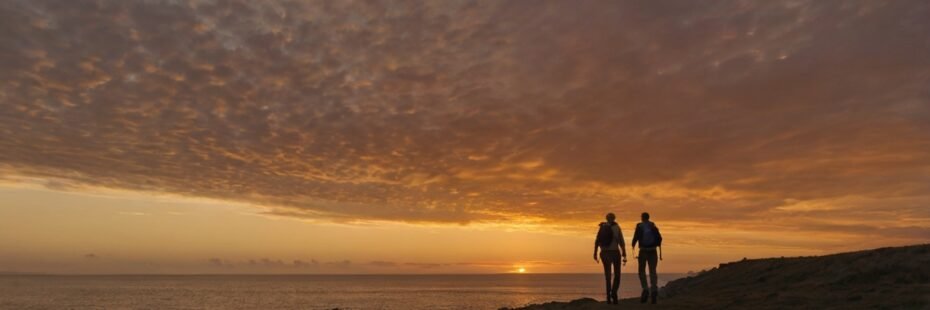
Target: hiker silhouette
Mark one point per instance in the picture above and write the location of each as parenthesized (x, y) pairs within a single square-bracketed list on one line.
[(610, 240), (650, 241)]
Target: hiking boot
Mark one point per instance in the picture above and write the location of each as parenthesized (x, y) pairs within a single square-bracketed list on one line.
[(644, 297), (654, 295), (615, 299)]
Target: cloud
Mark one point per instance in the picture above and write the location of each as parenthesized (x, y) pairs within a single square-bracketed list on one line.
[(382, 264), (90, 256), (401, 266), (133, 213), (218, 262), (272, 265), (459, 112), (339, 264), (58, 185), (424, 265), (302, 264)]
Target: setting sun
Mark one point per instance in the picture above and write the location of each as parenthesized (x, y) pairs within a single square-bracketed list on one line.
[(521, 270)]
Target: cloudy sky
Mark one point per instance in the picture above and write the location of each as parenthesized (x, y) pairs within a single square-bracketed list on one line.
[(455, 136)]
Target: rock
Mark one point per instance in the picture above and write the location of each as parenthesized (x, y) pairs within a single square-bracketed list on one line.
[(839, 281)]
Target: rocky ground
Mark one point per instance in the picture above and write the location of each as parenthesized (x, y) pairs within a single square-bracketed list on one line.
[(886, 278)]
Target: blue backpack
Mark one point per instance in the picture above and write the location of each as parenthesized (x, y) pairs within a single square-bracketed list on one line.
[(650, 236)]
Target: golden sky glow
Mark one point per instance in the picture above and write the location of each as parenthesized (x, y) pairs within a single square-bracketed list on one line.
[(275, 136)]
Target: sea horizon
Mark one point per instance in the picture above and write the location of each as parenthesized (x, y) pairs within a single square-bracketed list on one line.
[(3, 273), (305, 291)]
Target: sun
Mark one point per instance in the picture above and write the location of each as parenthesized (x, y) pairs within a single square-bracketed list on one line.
[(521, 270)]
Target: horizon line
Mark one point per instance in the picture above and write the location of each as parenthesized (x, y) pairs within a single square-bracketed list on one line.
[(18, 273)]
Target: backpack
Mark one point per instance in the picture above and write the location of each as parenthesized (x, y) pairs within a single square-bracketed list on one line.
[(605, 235), (649, 237)]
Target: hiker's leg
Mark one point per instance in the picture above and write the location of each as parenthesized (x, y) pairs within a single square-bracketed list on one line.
[(641, 259), (605, 260), (642, 269), (616, 263), (653, 276)]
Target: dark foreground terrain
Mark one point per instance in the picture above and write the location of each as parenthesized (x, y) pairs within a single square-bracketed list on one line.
[(886, 278)]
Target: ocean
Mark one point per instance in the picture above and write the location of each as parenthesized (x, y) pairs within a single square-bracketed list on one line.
[(489, 291)]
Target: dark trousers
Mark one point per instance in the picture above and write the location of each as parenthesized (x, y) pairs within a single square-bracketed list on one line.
[(611, 258), (651, 258)]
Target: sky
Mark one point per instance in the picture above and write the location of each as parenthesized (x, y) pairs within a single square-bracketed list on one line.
[(455, 136)]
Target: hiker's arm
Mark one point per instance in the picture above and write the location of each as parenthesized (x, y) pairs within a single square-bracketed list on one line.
[(622, 244), (623, 250), (659, 241), (635, 237), (595, 251)]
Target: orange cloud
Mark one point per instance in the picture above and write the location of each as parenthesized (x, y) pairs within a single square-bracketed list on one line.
[(810, 116)]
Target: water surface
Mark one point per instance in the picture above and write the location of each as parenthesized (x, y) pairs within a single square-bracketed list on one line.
[(302, 291)]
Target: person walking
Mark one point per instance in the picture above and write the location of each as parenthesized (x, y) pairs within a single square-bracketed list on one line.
[(649, 238), (610, 240)]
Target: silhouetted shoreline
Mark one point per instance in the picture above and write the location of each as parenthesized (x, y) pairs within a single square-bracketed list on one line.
[(896, 277)]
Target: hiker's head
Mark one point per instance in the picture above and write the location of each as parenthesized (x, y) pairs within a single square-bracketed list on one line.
[(645, 216), (610, 217)]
